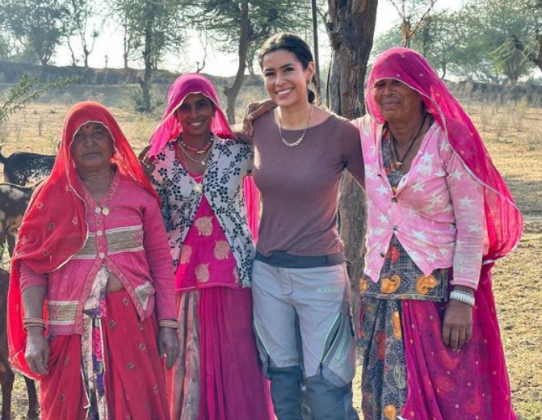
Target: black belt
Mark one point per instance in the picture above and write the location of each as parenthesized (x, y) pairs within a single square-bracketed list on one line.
[(284, 260)]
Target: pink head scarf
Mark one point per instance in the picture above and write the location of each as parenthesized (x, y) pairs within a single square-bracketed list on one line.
[(169, 128), (504, 222)]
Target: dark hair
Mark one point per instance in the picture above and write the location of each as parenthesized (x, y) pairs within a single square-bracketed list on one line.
[(293, 44)]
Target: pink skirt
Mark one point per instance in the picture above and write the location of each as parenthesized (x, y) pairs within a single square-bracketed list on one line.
[(217, 375)]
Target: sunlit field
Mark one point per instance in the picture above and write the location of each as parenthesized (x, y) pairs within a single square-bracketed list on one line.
[(513, 135)]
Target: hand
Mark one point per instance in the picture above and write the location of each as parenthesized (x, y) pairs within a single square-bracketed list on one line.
[(37, 351), (255, 111), (457, 324), (168, 345), (146, 163)]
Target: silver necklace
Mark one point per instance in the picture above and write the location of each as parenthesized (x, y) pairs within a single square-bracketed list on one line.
[(300, 139), (202, 162)]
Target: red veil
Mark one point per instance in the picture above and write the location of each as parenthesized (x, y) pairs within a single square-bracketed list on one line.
[(54, 227), (169, 129)]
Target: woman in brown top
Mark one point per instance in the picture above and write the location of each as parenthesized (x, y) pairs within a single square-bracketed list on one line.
[(300, 284)]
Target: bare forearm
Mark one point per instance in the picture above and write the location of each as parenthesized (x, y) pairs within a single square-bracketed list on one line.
[(33, 298)]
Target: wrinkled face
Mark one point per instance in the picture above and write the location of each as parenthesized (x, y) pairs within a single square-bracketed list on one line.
[(92, 147), (285, 78), (395, 100), (196, 114)]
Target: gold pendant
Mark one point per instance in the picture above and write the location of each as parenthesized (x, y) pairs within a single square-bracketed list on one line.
[(105, 211), (198, 188)]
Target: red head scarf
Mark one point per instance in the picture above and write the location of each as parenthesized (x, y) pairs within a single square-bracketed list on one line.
[(170, 128), (504, 221), (54, 227)]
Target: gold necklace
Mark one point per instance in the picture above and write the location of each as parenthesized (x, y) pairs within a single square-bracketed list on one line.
[(300, 139)]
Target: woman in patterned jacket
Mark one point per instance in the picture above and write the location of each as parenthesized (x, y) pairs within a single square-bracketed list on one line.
[(199, 173), (439, 215)]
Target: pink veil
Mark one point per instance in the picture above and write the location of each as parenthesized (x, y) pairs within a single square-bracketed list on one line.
[(169, 129), (504, 221), (504, 224)]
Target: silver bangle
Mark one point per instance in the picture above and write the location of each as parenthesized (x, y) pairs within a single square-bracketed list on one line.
[(462, 296)]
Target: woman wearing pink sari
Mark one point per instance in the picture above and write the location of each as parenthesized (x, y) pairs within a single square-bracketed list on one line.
[(440, 215), (199, 173)]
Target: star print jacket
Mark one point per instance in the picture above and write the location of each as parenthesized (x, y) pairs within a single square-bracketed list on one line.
[(229, 162), (436, 212)]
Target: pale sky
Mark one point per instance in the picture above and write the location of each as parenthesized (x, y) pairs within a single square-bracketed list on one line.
[(109, 44)]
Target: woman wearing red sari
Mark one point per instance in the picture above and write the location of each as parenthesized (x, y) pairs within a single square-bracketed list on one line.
[(92, 249)]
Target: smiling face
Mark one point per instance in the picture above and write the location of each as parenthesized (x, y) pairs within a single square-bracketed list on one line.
[(195, 115), (395, 100), (92, 148), (285, 78)]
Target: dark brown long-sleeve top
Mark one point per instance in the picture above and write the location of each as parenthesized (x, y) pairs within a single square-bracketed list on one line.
[(300, 186)]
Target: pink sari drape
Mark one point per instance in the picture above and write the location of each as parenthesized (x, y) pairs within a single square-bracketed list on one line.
[(443, 384)]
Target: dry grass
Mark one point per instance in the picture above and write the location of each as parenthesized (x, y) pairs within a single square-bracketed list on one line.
[(513, 136)]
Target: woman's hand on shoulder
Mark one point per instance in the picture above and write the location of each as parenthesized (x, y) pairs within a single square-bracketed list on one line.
[(37, 351), (457, 324), (146, 163), (254, 111)]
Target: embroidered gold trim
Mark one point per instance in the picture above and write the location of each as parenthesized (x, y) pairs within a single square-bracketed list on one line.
[(61, 312), (119, 240), (143, 293)]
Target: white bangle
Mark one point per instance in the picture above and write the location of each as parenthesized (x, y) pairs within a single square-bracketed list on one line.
[(462, 296)]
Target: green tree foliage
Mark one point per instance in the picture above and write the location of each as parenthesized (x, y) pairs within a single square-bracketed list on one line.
[(476, 42), (153, 27), (493, 22), (27, 90), (79, 14), (241, 26), (38, 24), (530, 46)]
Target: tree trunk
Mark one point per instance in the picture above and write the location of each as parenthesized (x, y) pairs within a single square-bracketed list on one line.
[(351, 31), (74, 60), (125, 41), (232, 91), (145, 83)]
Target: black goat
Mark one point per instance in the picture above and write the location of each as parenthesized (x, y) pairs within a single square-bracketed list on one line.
[(22, 168), (14, 200)]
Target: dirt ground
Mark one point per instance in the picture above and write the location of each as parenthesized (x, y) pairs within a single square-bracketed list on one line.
[(513, 135)]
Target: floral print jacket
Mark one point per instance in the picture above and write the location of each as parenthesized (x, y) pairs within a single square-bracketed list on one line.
[(229, 162)]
